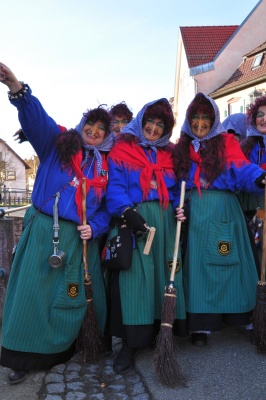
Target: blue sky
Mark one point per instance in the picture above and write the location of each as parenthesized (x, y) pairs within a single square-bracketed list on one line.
[(77, 54)]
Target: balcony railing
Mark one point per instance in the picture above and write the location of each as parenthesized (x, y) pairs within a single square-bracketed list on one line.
[(15, 197)]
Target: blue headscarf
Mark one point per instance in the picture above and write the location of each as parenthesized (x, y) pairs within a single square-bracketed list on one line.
[(216, 129), (252, 131), (237, 123), (134, 127), (106, 144)]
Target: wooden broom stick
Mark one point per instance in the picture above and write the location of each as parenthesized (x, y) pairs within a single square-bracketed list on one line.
[(166, 364), (177, 235)]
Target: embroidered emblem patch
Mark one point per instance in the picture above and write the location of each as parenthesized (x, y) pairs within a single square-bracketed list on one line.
[(178, 266), (224, 248), (72, 290)]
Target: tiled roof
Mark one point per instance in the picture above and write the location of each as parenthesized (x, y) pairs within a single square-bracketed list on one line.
[(202, 43), (246, 74)]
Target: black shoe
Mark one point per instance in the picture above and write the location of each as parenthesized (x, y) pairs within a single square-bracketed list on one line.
[(16, 376), (107, 345), (199, 339), (125, 359)]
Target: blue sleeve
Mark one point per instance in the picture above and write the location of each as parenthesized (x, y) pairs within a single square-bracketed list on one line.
[(100, 220), (117, 198), (244, 178), (38, 127)]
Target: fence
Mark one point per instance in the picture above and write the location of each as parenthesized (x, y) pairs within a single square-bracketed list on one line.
[(10, 231), (15, 197)]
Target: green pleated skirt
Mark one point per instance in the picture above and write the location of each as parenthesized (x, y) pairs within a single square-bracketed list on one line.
[(219, 269), (44, 307), (142, 287)]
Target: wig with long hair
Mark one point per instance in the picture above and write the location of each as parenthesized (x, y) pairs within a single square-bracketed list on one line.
[(163, 111), (248, 144), (121, 110), (212, 154)]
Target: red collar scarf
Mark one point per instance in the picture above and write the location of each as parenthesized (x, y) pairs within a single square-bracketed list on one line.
[(233, 154), (98, 182), (135, 158)]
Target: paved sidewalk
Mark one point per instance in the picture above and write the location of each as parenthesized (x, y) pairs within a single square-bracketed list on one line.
[(228, 368)]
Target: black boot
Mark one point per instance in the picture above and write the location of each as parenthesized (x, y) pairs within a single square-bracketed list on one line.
[(125, 359), (199, 338), (107, 345), (16, 376)]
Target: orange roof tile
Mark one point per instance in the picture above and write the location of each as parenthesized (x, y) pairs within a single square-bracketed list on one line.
[(202, 43), (246, 74)]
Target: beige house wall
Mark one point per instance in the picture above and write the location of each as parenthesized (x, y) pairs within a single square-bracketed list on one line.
[(250, 34), (241, 104), (184, 90)]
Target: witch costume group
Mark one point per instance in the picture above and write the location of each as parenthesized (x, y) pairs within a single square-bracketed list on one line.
[(133, 180)]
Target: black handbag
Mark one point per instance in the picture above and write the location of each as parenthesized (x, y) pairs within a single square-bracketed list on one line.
[(117, 254)]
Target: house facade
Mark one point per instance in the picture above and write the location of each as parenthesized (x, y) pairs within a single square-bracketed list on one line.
[(208, 56), (246, 84), (12, 169)]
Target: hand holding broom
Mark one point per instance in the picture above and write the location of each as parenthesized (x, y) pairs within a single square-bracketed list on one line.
[(88, 341), (166, 364)]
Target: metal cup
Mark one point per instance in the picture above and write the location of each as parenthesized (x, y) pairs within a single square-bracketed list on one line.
[(57, 260)]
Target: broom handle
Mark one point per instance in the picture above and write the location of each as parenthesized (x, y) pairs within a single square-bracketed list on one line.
[(84, 222), (263, 260), (178, 231)]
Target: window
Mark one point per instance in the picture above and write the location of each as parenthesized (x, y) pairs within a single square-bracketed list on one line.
[(257, 60), (233, 105), (10, 175)]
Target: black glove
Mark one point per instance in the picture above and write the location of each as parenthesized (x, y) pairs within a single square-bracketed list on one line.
[(134, 220), (20, 136), (259, 180)]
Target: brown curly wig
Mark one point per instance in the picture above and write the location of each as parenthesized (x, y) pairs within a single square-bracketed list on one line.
[(163, 111), (253, 109), (201, 105), (99, 114), (121, 110), (213, 157), (68, 143)]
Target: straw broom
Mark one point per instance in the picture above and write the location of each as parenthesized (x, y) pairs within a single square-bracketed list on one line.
[(166, 365), (89, 341), (259, 314)]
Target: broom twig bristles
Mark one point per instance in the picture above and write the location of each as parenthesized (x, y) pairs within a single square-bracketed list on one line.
[(166, 365), (89, 343)]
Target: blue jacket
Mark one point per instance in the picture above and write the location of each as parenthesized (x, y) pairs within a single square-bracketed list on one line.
[(42, 131)]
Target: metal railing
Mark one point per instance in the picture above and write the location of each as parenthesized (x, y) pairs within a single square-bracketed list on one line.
[(15, 197), (3, 211)]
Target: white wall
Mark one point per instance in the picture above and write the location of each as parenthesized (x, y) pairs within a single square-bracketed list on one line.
[(13, 164)]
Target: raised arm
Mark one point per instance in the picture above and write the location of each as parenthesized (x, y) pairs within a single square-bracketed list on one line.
[(8, 78)]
